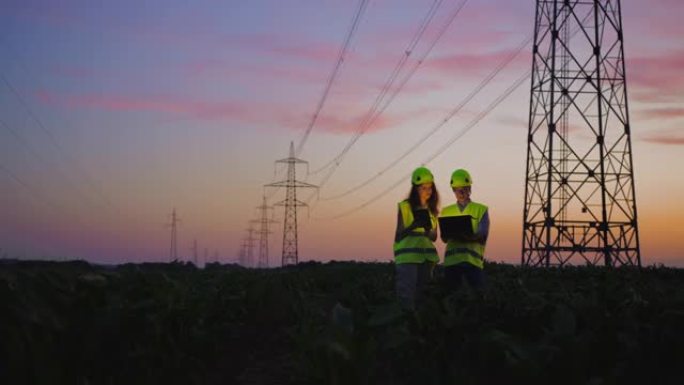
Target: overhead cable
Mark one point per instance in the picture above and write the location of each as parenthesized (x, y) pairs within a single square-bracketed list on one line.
[(372, 112), (467, 99), (331, 79), (339, 158), (56, 144), (518, 82)]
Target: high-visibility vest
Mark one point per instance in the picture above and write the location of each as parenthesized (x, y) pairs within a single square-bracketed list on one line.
[(415, 247), (457, 251)]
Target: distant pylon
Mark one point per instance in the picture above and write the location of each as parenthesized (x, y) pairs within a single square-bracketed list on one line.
[(242, 257), (580, 202), (264, 222), (173, 252), (290, 251), (249, 247), (194, 252)]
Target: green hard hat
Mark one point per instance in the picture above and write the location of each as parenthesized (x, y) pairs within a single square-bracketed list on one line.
[(461, 178), (421, 175)]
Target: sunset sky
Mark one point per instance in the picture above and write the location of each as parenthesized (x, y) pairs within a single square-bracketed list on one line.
[(114, 113)]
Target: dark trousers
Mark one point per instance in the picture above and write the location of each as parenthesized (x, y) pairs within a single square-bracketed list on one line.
[(410, 281), (455, 274)]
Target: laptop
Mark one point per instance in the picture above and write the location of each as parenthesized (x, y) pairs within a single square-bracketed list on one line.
[(453, 227)]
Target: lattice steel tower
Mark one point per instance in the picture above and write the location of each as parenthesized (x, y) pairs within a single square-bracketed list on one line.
[(173, 251), (249, 247), (263, 232), (290, 252), (580, 203)]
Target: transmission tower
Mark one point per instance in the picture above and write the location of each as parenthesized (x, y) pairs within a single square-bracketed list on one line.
[(290, 253), (580, 202), (264, 222), (248, 244), (242, 256), (194, 252), (173, 252)]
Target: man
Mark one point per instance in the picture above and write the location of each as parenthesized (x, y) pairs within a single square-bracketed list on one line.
[(464, 256)]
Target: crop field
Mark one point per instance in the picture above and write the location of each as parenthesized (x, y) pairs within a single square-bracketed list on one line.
[(335, 323)]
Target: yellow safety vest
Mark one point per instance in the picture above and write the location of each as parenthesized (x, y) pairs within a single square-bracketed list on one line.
[(415, 247), (459, 252)]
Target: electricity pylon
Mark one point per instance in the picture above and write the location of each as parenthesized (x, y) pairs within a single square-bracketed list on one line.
[(243, 254), (264, 222), (290, 251), (194, 253), (580, 202), (248, 244), (173, 252)]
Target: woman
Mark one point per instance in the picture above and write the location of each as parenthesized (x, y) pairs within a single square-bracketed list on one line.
[(414, 251)]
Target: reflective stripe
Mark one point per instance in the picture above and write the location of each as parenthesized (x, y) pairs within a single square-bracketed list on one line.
[(460, 250), (416, 250), (465, 251), (414, 247)]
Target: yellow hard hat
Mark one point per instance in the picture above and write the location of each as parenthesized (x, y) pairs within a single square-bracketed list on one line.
[(421, 175), (461, 178)]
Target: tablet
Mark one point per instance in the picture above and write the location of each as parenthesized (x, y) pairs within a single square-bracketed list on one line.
[(421, 217), (454, 227)]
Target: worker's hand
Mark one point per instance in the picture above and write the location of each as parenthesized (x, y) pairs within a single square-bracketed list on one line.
[(414, 225), (427, 225)]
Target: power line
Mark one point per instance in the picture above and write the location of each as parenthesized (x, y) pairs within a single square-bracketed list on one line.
[(333, 75), (374, 112), (56, 144), (443, 148), (518, 82), (338, 64), (504, 63), (38, 197), (45, 163)]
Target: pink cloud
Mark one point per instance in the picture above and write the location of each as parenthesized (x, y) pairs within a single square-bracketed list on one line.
[(221, 68), (175, 106), (349, 120), (475, 64), (314, 52), (278, 114), (513, 121), (656, 78), (676, 140), (663, 113)]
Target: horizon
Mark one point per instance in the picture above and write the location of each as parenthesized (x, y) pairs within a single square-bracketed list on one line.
[(114, 115)]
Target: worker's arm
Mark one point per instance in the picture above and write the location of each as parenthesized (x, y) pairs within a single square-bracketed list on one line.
[(432, 234), (402, 232), (482, 232)]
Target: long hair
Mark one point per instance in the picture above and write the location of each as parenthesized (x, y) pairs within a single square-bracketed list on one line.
[(433, 202)]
